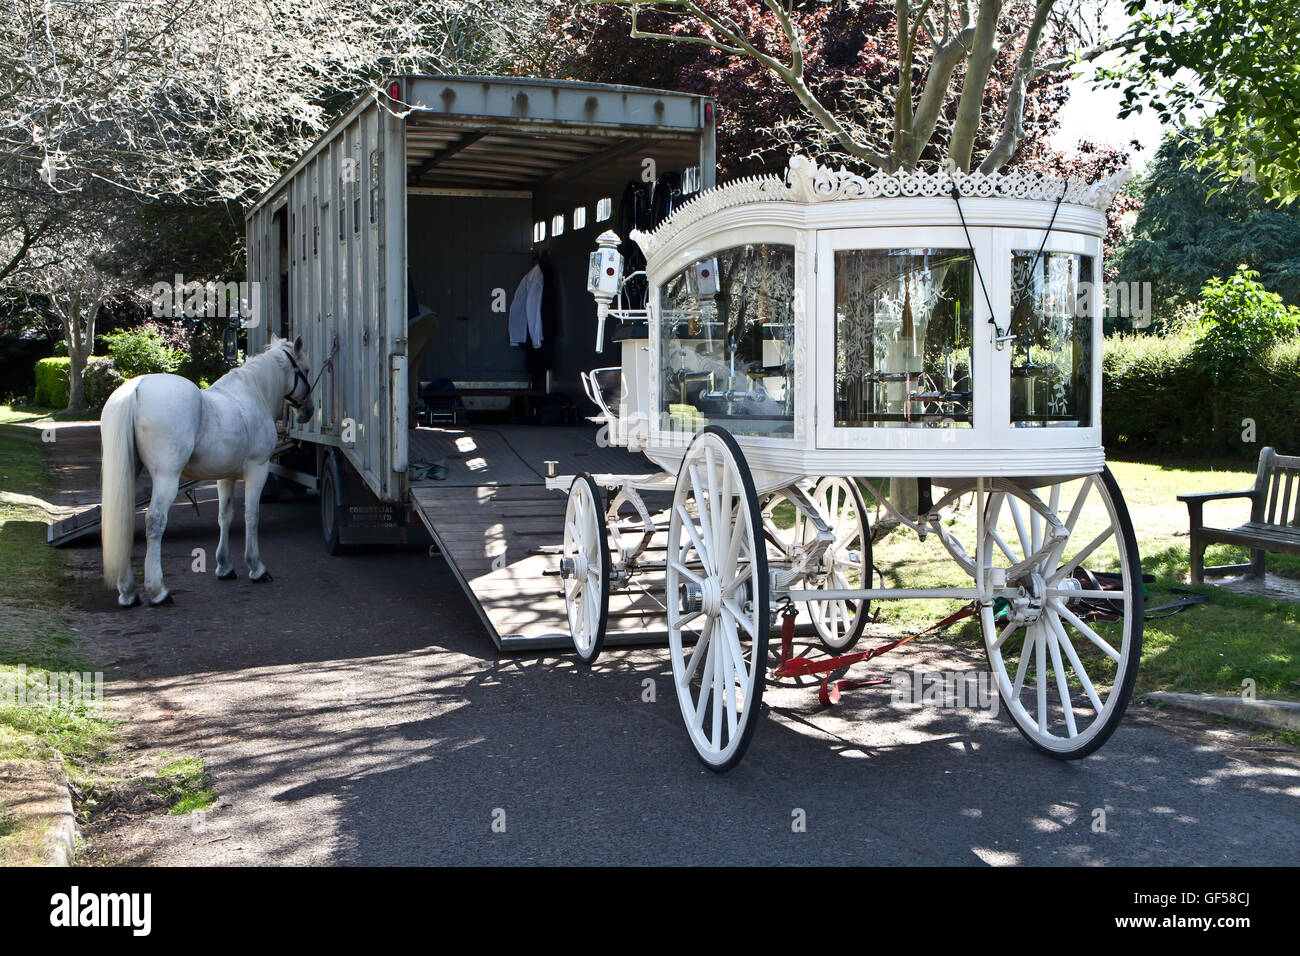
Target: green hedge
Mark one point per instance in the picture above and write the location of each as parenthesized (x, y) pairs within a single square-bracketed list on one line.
[(52, 382), (1155, 400)]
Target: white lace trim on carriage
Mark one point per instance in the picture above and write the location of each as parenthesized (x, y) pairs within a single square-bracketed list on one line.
[(806, 181)]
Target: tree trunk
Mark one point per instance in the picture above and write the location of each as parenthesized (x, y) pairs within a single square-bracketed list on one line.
[(76, 376)]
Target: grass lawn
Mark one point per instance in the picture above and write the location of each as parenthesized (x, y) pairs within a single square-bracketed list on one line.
[(35, 639), (20, 414), (1211, 648)]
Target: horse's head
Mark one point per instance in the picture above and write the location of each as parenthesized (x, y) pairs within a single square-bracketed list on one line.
[(297, 383)]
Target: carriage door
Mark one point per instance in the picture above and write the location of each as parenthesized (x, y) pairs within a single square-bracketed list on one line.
[(901, 356)]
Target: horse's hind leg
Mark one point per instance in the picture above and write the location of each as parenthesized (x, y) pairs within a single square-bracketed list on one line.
[(225, 515), (165, 488), (254, 481)]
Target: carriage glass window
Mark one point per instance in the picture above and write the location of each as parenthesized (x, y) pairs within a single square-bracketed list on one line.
[(727, 343), (903, 338), (1051, 357)]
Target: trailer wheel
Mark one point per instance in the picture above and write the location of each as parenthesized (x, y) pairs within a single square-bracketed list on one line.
[(331, 512)]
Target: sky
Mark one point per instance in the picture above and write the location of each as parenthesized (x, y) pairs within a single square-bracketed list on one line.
[(1094, 113)]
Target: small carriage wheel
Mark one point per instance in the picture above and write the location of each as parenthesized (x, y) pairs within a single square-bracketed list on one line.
[(717, 591), (840, 624), (1082, 647), (586, 559)]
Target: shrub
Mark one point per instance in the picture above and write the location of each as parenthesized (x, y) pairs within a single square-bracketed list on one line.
[(52, 382), (1239, 320), (101, 379), (143, 351)]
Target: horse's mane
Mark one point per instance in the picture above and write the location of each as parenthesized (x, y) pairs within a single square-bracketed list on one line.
[(256, 370)]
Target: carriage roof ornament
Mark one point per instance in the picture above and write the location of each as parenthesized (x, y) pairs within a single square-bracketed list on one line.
[(808, 182)]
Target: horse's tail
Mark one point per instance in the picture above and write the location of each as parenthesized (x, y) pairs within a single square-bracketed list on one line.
[(117, 486)]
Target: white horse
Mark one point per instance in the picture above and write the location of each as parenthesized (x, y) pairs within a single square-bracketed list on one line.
[(222, 433)]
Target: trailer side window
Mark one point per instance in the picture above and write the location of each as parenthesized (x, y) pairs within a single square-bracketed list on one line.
[(539, 230), (604, 209), (315, 230), (579, 217), (356, 196), (374, 186), (557, 225)]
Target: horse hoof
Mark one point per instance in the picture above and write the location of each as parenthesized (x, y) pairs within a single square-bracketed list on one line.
[(228, 576), (135, 599), (264, 579), (165, 602)]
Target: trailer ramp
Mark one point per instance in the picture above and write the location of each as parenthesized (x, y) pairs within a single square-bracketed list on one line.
[(87, 520), (500, 530)]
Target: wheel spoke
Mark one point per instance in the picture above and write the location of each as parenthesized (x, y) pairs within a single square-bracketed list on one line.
[(703, 651), (1005, 633), (1019, 521), (1078, 504), (1061, 687), (1086, 631), (1031, 638), (687, 573), (1064, 640), (740, 616), (1082, 556), (1040, 666), (1002, 545), (694, 535)]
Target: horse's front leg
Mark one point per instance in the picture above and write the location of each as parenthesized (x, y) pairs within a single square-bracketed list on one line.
[(225, 515), (254, 480), (165, 488)]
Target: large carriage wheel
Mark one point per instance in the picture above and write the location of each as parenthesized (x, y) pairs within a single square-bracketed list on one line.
[(847, 563), (585, 567), (1065, 654), (717, 590)]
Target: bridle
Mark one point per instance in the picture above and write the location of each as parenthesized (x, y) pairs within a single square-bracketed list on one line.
[(298, 376)]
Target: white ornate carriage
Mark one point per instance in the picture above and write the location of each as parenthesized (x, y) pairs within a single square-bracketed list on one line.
[(806, 332)]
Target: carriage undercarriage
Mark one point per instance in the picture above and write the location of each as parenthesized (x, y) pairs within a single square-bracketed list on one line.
[(1054, 582)]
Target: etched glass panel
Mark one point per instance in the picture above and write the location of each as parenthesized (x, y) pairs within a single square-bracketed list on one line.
[(1051, 355), (726, 327), (903, 338)]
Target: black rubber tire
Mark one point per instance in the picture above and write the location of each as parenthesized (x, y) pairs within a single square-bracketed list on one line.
[(331, 512)]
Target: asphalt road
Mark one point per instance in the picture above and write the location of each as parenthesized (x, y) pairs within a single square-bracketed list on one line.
[(355, 712)]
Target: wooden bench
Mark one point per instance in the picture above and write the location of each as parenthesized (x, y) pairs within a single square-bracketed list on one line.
[(1274, 523)]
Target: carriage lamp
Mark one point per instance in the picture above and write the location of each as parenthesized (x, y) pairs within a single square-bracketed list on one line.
[(604, 279)]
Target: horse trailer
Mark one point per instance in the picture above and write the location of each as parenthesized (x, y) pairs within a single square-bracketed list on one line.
[(395, 248)]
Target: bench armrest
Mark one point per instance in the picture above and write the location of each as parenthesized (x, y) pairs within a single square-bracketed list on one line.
[(1203, 496)]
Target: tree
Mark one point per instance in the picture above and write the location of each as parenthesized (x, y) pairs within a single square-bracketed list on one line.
[(130, 129), (1239, 57), (1181, 238), (213, 97), (924, 77)]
